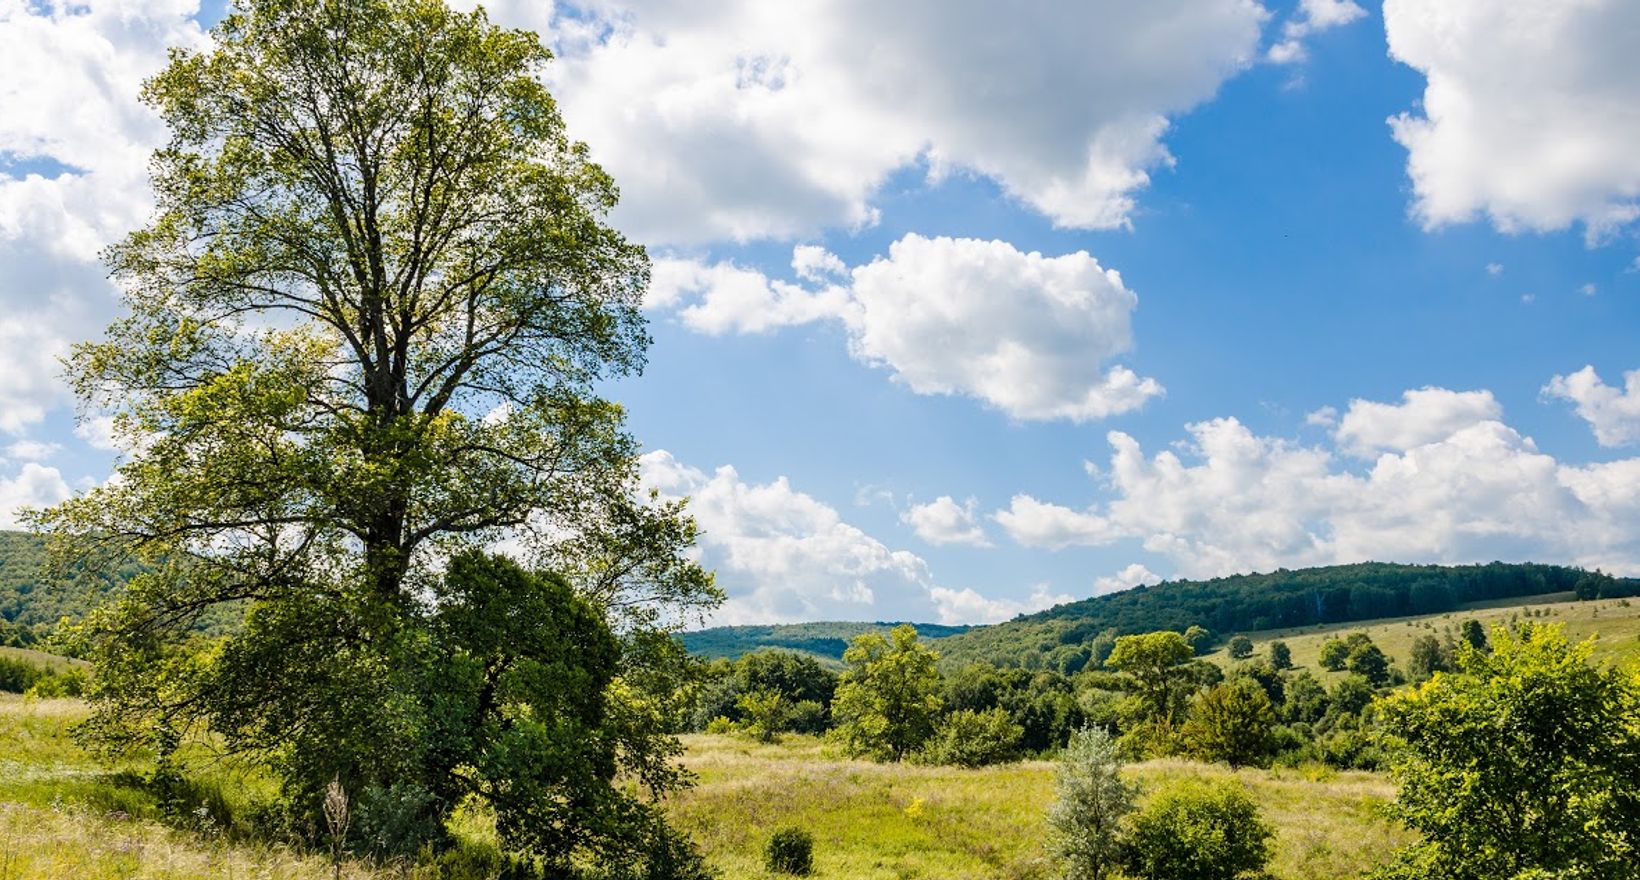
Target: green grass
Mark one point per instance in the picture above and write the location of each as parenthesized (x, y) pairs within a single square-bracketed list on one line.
[(1616, 623), (874, 821), (53, 662)]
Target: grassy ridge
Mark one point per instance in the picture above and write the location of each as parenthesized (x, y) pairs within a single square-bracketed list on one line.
[(1615, 623), (825, 640)]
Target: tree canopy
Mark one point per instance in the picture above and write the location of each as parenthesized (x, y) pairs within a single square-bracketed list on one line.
[(362, 338)]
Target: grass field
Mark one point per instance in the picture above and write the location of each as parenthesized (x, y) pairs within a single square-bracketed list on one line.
[(898, 821), (1615, 621), (52, 662), (64, 815)]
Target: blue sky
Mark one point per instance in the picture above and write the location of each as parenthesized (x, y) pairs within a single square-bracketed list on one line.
[(1291, 266)]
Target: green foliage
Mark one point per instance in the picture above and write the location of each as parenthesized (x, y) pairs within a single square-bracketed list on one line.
[(1199, 637), (1334, 655), (888, 698), (805, 687), (1281, 656), (1474, 635), (364, 333), (1091, 801), (789, 851), (1523, 763), (1367, 661), (17, 676), (1156, 661), (966, 738), (1232, 723), (1239, 647), (765, 712), (826, 640), (1428, 656), (1198, 831)]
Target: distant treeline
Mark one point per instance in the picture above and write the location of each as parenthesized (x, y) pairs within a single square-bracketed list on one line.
[(826, 639), (33, 599), (1058, 638)]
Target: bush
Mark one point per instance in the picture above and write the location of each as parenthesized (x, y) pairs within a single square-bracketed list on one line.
[(17, 676), (1281, 656), (1198, 831), (789, 851), (1240, 647), (973, 739)]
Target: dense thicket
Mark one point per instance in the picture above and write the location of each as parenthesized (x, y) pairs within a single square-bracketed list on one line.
[(1061, 637)]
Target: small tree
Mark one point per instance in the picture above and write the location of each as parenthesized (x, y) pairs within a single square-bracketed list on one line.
[(1525, 762), (1334, 653), (1428, 656), (765, 713), (1091, 802), (1198, 637), (974, 739), (1474, 634), (1240, 647), (1231, 722), (1198, 830), (1367, 661), (1281, 656), (888, 698)]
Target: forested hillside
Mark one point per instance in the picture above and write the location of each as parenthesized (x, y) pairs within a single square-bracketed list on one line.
[(32, 600), (825, 639), (1061, 637)]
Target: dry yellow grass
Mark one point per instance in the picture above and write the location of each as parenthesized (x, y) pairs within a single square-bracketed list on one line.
[(1616, 623), (899, 821)]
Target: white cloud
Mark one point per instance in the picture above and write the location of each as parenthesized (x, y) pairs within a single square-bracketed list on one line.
[(31, 450), (1025, 333), (1494, 269), (1238, 502), (1613, 413), (1325, 417), (1132, 576), (74, 146), (33, 486), (783, 555), (1530, 113), (1588, 289), (967, 606), (743, 119), (944, 521), (1424, 415), (1314, 16)]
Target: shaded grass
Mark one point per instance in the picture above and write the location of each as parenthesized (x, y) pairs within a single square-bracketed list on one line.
[(901, 821), (1616, 623)]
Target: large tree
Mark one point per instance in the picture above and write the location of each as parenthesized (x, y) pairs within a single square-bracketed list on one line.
[(365, 330), (888, 698)]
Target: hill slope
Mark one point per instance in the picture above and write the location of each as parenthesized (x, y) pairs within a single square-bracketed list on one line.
[(1058, 637), (33, 599), (822, 639)]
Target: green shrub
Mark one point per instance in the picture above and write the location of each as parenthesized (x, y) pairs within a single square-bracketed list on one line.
[(720, 726), (17, 677), (789, 851), (1198, 830), (973, 739)]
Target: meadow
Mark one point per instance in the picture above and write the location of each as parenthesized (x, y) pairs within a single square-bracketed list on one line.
[(66, 815)]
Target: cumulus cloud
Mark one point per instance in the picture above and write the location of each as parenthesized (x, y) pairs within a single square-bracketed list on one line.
[(1229, 500), (1613, 413), (74, 146), (783, 555), (742, 119), (944, 521), (31, 450), (1530, 113), (1424, 415), (1134, 575), (1313, 17), (967, 606), (1025, 333), (34, 485)]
